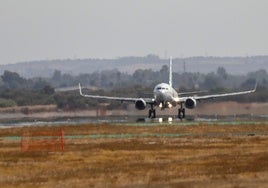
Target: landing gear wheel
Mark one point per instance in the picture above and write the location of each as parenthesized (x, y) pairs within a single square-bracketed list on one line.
[(152, 113), (181, 113)]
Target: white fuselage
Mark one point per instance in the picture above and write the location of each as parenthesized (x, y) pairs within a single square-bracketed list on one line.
[(165, 96)]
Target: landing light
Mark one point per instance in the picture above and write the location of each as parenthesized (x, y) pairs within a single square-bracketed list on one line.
[(160, 105), (169, 105)]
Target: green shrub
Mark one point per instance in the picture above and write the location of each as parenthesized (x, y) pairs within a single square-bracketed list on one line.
[(7, 103)]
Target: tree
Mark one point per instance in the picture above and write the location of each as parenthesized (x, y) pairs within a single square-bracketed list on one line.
[(56, 75), (48, 90), (13, 80), (222, 73), (211, 81)]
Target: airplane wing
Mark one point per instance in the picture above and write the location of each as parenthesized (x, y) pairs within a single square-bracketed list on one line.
[(122, 99), (192, 92), (183, 99)]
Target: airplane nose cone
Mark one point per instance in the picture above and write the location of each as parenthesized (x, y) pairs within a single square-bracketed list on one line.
[(159, 95)]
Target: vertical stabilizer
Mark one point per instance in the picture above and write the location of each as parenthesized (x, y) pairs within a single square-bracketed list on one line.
[(170, 71)]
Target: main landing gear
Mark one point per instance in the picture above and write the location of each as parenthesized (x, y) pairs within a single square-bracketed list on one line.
[(152, 112), (181, 112)]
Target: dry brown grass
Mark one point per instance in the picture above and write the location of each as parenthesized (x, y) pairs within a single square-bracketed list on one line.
[(29, 109), (202, 159)]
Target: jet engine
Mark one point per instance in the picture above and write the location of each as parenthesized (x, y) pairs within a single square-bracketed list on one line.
[(140, 104), (190, 103)]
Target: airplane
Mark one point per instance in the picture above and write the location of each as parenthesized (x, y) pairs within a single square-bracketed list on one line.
[(165, 96)]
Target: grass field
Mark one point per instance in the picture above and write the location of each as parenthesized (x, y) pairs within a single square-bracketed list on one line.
[(172, 155)]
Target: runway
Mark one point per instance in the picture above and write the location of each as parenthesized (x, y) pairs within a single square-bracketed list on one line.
[(149, 135), (132, 121)]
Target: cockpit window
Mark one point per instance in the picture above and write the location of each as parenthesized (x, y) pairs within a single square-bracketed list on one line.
[(162, 88)]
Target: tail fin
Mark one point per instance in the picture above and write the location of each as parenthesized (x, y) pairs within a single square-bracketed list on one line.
[(170, 71)]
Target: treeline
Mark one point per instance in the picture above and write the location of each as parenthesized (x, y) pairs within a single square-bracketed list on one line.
[(16, 90)]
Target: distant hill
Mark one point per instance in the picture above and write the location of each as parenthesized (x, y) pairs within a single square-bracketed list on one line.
[(46, 68)]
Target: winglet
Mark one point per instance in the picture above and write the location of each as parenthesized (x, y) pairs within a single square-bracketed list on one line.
[(80, 89), (256, 84)]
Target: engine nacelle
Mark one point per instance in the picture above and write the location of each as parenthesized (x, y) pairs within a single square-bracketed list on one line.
[(140, 104), (190, 103)]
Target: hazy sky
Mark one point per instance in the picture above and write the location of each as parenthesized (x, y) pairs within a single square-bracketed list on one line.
[(60, 29)]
